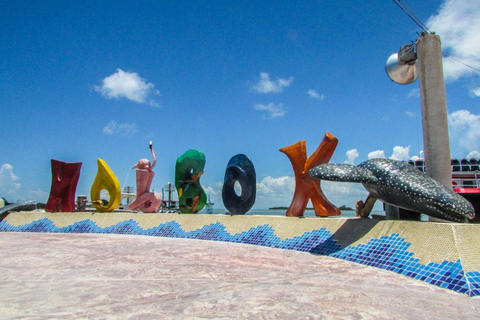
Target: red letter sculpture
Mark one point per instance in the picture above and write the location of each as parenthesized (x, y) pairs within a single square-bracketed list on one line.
[(306, 187), (146, 201), (64, 183)]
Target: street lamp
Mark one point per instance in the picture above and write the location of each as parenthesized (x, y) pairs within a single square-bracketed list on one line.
[(402, 68)]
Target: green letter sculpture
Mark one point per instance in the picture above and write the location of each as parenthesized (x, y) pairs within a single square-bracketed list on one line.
[(188, 170)]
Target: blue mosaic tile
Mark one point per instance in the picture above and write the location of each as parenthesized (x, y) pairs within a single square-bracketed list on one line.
[(388, 252)]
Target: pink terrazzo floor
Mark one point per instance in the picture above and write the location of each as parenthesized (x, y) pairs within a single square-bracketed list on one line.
[(92, 276)]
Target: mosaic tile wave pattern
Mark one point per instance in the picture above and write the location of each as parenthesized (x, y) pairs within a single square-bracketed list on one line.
[(387, 252)]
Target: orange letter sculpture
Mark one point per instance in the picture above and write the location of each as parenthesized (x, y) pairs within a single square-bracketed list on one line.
[(307, 187)]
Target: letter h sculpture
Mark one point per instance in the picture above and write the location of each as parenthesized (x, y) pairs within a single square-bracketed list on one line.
[(64, 184)]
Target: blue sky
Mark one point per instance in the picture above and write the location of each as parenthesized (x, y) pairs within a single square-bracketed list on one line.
[(97, 79)]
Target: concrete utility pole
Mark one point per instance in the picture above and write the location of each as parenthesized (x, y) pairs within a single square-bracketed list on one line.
[(434, 109)]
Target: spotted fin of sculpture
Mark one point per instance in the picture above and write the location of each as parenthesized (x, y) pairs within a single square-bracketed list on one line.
[(400, 184), (342, 172)]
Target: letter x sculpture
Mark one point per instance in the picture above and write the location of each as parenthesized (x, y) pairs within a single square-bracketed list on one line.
[(307, 187)]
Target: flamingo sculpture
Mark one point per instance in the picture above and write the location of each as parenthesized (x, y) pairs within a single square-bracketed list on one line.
[(146, 201)]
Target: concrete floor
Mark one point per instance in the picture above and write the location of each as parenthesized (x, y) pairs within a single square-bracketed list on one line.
[(94, 276)]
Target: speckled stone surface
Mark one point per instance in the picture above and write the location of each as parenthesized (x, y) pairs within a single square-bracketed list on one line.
[(99, 276)]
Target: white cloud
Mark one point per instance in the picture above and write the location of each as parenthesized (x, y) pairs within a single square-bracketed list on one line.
[(473, 154), (343, 193), (124, 129), (272, 192), (272, 109), (475, 92), (410, 114), (38, 195), (414, 93), (215, 191), (314, 94), (128, 85), (351, 156), (8, 181), (376, 154), (265, 85), (271, 186), (458, 25), (464, 130), (401, 153)]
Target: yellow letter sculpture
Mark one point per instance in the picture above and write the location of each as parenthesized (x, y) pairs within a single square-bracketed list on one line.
[(105, 180)]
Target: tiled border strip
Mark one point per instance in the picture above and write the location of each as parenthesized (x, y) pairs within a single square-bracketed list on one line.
[(388, 252)]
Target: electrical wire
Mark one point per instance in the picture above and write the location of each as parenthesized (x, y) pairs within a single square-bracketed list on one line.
[(456, 60), (422, 25), (411, 15)]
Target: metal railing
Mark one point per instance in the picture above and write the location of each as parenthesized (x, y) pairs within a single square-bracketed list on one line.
[(463, 165), (465, 172)]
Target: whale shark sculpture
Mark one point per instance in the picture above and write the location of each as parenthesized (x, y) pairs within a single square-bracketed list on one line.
[(400, 184)]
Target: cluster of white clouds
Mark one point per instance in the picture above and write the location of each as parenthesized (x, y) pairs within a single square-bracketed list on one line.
[(8, 180), (399, 153), (266, 86), (464, 132), (124, 129), (10, 187), (351, 156), (279, 191), (272, 109), (128, 85), (314, 94), (458, 24), (271, 192), (465, 129), (275, 192), (270, 186)]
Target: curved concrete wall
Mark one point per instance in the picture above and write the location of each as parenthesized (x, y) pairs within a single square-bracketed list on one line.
[(442, 254)]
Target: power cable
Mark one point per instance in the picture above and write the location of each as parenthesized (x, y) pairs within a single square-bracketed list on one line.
[(422, 25), (463, 63), (411, 15)]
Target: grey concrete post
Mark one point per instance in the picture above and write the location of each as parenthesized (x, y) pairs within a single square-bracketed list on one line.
[(434, 109)]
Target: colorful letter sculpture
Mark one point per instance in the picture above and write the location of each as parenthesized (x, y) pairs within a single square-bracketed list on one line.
[(240, 168), (188, 170), (307, 187), (64, 183), (105, 180), (146, 201)]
